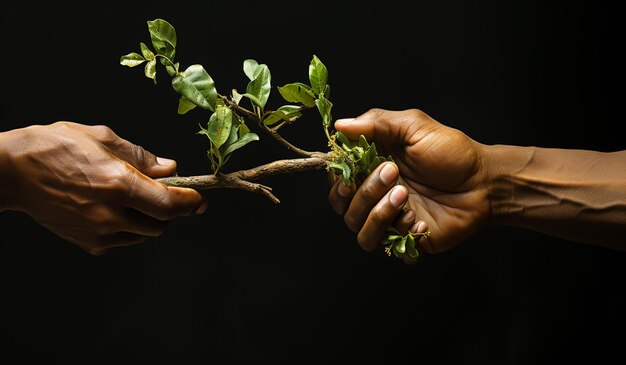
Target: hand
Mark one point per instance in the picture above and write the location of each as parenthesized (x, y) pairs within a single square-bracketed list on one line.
[(89, 186), (438, 166)]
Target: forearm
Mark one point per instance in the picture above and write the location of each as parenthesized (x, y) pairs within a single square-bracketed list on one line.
[(572, 194)]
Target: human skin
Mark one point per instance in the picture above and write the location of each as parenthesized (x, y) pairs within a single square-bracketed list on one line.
[(456, 185), (89, 186)]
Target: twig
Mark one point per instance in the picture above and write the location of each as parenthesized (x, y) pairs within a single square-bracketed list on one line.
[(243, 179)]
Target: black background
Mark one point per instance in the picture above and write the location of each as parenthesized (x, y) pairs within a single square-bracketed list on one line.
[(250, 281)]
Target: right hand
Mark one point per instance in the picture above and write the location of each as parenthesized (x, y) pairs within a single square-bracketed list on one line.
[(438, 166), (91, 187)]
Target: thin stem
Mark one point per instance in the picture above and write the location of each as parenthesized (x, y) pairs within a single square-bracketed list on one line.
[(167, 59), (272, 133)]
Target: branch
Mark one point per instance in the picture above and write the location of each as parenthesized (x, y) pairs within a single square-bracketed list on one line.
[(243, 179), (271, 132)]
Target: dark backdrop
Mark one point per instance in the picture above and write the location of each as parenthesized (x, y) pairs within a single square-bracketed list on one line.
[(251, 281)]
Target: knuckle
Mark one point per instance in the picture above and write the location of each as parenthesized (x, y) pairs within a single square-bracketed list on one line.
[(375, 113), (418, 113), (164, 203), (378, 217), (103, 133)]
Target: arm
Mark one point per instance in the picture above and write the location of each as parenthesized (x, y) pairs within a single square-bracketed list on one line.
[(572, 194), (456, 185), (89, 186)]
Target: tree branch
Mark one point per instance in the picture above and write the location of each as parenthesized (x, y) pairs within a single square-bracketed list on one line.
[(243, 179)]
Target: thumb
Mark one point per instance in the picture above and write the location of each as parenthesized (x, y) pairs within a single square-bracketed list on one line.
[(379, 125), (144, 161)]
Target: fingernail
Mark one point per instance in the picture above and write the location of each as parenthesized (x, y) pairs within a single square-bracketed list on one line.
[(344, 121), (419, 227), (398, 196), (165, 162), (344, 191), (202, 208), (388, 173)]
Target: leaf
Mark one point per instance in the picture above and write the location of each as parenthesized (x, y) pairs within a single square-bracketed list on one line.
[(260, 86), (288, 113), (410, 247), (324, 106), (244, 140), (243, 129), (249, 68), (150, 70), (146, 52), (318, 75), (236, 96), (343, 170), (219, 125), (298, 93), (196, 86), (163, 37), (185, 105), (326, 92), (401, 245), (252, 98), (343, 139), (132, 59), (363, 142)]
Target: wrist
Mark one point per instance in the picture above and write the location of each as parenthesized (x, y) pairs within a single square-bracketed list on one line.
[(502, 167)]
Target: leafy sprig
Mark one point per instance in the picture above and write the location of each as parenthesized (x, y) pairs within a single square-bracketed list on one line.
[(227, 129)]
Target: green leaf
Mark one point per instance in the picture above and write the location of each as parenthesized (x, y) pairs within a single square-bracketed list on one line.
[(363, 142), (288, 113), (244, 140), (401, 245), (324, 106), (185, 105), (260, 86), (236, 96), (146, 52), (298, 93), (163, 37), (249, 68), (343, 139), (132, 59), (220, 124), (243, 129), (326, 92), (196, 86), (318, 75), (252, 98), (343, 170), (150, 70), (410, 247)]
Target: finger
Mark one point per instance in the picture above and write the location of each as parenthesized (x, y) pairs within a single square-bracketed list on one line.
[(141, 159), (416, 230), (380, 124), (369, 194), (424, 244), (340, 196), (382, 216), (404, 221), (159, 201)]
